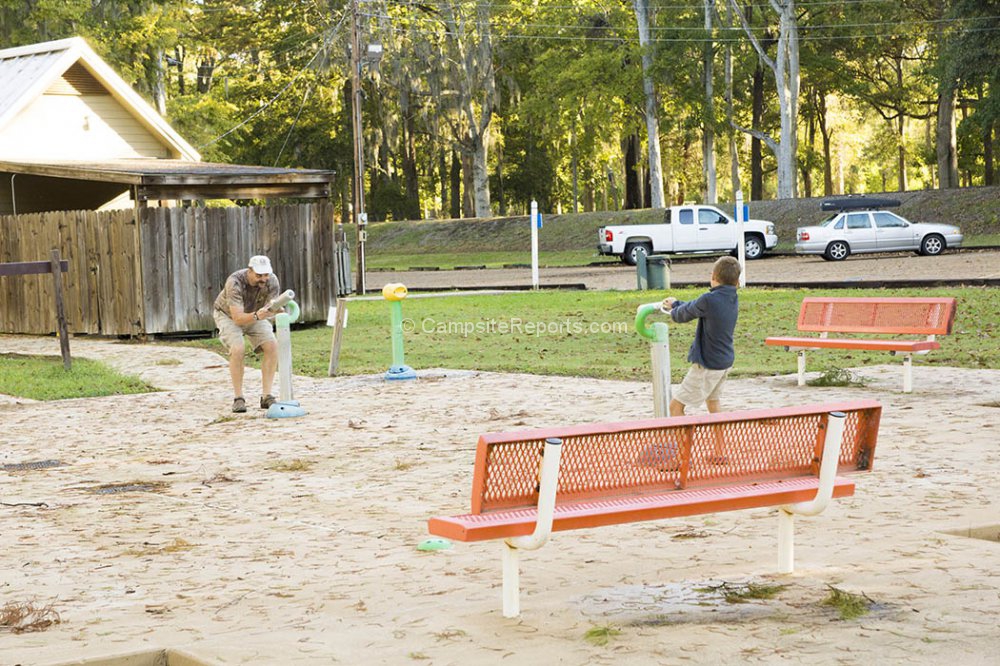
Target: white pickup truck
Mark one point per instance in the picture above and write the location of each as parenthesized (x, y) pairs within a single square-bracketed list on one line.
[(693, 229)]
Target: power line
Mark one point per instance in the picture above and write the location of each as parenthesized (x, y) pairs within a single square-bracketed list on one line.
[(677, 40), (722, 29)]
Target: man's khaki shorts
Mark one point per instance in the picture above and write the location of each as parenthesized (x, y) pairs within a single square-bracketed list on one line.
[(700, 384), (231, 335)]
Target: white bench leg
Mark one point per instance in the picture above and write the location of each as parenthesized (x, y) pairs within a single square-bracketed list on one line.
[(907, 373), (802, 367), (786, 542), (511, 582)]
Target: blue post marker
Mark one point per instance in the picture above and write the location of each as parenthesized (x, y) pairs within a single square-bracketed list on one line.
[(286, 406), (394, 294), (536, 224)]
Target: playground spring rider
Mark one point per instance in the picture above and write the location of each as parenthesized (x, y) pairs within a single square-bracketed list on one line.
[(394, 293), (286, 406)]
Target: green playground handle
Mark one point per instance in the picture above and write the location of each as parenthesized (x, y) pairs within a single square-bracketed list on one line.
[(656, 332)]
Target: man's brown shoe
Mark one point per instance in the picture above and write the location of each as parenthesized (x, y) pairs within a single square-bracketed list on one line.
[(239, 405), (266, 401)]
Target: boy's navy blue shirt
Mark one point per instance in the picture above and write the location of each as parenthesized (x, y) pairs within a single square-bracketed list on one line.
[(716, 312)]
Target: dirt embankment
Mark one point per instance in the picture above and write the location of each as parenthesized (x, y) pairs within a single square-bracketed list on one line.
[(975, 209)]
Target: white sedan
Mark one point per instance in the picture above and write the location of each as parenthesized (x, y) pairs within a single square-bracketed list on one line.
[(850, 232)]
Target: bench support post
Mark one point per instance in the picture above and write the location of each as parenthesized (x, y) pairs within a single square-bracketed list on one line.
[(827, 476), (907, 373), (801, 354), (548, 482)]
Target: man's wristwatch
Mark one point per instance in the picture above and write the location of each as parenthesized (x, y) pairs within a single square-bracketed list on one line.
[(255, 316)]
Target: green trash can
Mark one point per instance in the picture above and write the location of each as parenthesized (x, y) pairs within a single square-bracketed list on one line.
[(658, 272)]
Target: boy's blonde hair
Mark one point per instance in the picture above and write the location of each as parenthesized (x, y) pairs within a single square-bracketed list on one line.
[(727, 271)]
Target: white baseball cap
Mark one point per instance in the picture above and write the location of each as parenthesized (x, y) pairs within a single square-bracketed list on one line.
[(260, 265)]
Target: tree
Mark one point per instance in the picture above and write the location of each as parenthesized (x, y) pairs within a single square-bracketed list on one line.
[(649, 91), (785, 68)]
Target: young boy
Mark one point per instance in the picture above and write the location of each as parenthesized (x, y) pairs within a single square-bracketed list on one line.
[(712, 352)]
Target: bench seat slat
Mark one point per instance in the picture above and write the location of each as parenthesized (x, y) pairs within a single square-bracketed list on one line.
[(675, 504), (855, 343)]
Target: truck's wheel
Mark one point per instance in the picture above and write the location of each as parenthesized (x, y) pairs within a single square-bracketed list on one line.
[(632, 251), (754, 246)]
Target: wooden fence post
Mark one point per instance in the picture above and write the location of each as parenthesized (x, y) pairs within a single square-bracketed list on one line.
[(60, 308), (338, 335)]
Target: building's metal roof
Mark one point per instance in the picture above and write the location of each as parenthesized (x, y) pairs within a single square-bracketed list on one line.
[(19, 73), (182, 179), (26, 72)]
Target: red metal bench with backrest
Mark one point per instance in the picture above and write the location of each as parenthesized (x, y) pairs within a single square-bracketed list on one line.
[(928, 317), (529, 483)]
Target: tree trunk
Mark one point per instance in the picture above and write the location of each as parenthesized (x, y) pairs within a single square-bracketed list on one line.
[(652, 120), (206, 69), (785, 66), (179, 57), (826, 134), (501, 201), (633, 191), (468, 185), (443, 182), (756, 151), (159, 81), (708, 132), (947, 154), (807, 159), (410, 176), (481, 180), (455, 211), (988, 174), (574, 167)]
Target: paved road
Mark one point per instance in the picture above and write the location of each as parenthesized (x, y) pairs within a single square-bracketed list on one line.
[(966, 265)]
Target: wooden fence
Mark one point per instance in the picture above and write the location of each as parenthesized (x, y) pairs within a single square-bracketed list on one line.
[(163, 274)]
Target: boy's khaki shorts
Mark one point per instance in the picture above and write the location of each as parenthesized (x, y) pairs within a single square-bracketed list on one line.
[(700, 384), (232, 335)]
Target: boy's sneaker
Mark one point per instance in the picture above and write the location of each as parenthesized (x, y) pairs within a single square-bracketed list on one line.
[(239, 405), (266, 401)]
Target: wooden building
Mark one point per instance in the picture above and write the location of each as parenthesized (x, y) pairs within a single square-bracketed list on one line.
[(87, 166)]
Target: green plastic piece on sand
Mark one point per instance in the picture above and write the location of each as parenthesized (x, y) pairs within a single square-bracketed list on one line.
[(434, 544)]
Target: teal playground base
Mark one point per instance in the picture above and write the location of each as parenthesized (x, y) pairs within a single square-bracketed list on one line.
[(285, 410), (400, 372)]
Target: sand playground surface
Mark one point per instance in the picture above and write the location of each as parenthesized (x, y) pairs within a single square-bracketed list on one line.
[(170, 522)]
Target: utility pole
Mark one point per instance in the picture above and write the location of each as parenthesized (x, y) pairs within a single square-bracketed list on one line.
[(360, 217)]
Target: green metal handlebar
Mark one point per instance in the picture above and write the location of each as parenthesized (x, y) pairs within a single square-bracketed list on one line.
[(284, 319), (656, 332)]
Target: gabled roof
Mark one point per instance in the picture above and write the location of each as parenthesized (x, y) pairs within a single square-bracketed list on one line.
[(26, 72)]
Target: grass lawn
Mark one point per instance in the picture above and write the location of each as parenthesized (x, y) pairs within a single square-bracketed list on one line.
[(43, 378), (591, 334)]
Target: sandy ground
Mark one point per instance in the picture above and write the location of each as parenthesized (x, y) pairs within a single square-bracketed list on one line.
[(897, 266), (294, 541)]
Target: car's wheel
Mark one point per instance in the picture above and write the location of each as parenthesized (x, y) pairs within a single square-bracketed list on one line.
[(754, 246), (932, 245), (837, 251), (633, 250)]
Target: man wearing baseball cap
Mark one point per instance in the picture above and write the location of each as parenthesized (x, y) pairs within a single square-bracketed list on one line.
[(241, 310)]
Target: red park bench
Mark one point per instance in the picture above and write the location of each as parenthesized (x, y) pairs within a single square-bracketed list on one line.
[(928, 317), (527, 484)]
